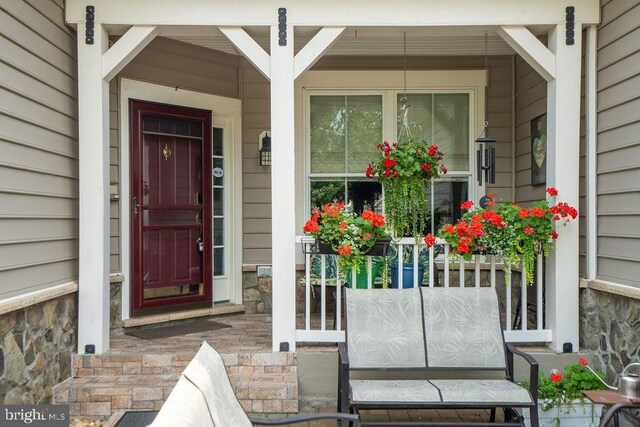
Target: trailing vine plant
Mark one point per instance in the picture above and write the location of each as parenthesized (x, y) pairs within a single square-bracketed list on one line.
[(405, 170)]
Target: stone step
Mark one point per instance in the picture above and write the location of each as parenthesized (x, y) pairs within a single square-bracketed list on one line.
[(104, 384)]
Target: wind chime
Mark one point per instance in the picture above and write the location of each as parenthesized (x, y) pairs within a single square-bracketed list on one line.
[(486, 150)]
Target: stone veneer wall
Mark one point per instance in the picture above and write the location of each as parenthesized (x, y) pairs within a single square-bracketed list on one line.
[(610, 330), (36, 345), (256, 293)]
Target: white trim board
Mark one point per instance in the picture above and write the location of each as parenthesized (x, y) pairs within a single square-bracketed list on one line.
[(228, 109)]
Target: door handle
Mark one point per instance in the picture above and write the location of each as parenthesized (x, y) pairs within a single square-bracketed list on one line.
[(136, 205), (198, 218)]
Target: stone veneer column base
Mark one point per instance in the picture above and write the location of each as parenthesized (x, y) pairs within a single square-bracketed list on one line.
[(36, 346)]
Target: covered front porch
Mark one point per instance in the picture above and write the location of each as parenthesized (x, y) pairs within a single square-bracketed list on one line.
[(266, 34)]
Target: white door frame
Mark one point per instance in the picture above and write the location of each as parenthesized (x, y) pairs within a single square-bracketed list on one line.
[(227, 113)]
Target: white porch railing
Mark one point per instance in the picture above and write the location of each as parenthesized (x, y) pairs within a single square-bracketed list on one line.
[(327, 326)]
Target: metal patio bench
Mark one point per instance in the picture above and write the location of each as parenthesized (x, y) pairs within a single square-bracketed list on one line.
[(203, 397), (431, 332)]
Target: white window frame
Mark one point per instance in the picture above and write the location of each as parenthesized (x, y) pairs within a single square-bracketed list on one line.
[(389, 84)]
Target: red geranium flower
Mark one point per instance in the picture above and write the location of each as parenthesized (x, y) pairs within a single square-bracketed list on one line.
[(443, 169), (389, 163), (433, 149), (583, 361), (343, 226), (554, 235), (556, 377), (524, 213), (552, 191), (369, 170), (529, 230), (430, 240), (466, 205), (344, 250), (311, 227), (491, 203), (448, 228), (538, 212), (426, 167)]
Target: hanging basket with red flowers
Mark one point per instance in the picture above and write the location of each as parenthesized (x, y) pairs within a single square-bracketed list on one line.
[(405, 170), (507, 229), (351, 236)]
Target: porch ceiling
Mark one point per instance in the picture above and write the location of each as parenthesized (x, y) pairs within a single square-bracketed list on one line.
[(358, 41)]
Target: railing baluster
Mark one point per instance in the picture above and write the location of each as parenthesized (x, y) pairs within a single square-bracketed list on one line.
[(477, 272), (369, 272), (446, 265), (307, 291), (524, 313), (323, 288), (508, 306), (432, 263), (461, 273), (415, 266), (354, 285), (400, 265), (539, 284), (492, 278), (338, 300)]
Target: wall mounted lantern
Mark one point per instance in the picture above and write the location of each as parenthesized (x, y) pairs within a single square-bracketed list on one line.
[(265, 149)]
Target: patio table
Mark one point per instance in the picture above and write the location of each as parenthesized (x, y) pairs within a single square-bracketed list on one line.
[(615, 401)]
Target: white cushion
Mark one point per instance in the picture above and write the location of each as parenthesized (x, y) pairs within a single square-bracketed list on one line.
[(384, 328), (404, 391), (482, 391), (185, 407), (462, 326)]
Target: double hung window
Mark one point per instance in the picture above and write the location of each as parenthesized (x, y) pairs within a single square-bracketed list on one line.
[(345, 127)]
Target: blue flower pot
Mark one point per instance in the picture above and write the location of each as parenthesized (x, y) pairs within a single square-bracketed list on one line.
[(407, 275)]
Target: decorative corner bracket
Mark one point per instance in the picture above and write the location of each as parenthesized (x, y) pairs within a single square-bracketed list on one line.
[(570, 25), (282, 26), (90, 17)]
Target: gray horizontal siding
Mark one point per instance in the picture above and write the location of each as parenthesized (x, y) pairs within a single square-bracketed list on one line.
[(38, 142), (618, 152), (168, 63), (256, 118)]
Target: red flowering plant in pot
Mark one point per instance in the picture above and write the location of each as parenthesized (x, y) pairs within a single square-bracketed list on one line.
[(351, 236), (507, 229), (405, 170)]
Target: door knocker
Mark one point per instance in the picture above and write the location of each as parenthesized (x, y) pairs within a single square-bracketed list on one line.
[(166, 152)]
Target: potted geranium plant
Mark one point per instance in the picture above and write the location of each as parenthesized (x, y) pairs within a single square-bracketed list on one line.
[(561, 400), (507, 229), (346, 234), (405, 170)]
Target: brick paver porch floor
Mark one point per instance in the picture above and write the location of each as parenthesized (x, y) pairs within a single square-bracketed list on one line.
[(252, 333)]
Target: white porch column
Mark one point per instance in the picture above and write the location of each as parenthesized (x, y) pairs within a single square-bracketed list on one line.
[(283, 191), (563, 136), (93, 155)]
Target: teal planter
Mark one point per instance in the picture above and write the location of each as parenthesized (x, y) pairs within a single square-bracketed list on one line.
[(407, 275)]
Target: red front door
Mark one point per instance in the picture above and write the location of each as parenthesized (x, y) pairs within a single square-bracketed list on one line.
[(170, 207)]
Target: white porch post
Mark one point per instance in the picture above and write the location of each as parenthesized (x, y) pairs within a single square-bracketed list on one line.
[(283, 191), (93, 155), (563, 135)]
